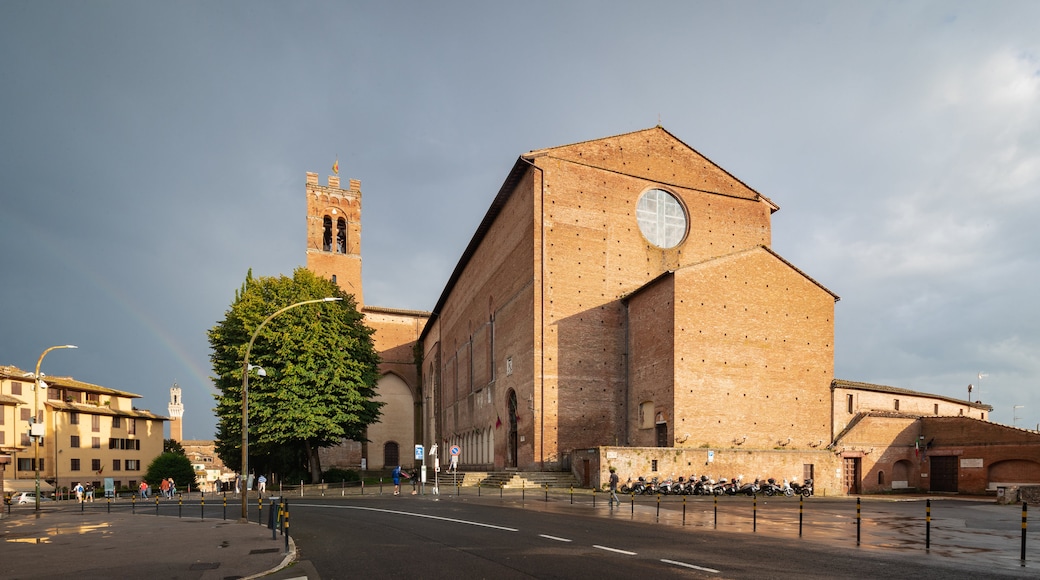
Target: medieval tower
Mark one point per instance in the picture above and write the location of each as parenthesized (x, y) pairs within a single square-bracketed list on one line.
[(334, 253), (176, 409)]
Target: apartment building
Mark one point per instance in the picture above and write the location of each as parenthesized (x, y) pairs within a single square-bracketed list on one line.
[(90, 434)]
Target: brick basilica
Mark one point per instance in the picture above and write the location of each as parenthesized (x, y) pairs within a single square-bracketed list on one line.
[(620, 305)]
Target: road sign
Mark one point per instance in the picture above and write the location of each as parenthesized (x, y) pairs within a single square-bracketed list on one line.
[(455, 450), (418, 452)]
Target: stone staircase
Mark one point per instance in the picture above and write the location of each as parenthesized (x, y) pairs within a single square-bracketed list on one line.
[(514, 479)]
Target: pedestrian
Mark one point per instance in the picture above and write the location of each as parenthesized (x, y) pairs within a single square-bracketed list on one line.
[(79, 492), (613, 488), (415, 480), (173, 488), (89, 492), (396, 475), (164, 488), (143, 489), (238, 483), (261, 484)]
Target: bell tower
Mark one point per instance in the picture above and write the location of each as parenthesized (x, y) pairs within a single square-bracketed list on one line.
[(334, 233), (176, 409)]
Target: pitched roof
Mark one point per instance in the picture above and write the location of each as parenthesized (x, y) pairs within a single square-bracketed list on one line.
[(858, 386)]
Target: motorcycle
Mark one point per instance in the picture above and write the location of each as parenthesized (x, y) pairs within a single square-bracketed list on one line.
[(806, 488)]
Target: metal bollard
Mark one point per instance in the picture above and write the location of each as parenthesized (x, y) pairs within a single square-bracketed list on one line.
[(133, 504), (801, 510), (858, 521), (684, 510), (716, 511), (202, 508), (1025, 509), (754, 514), (928, 525), (156, 505), (260, 510), (572, 493), (658, 507), (225, 505), (546, 492), (180, 505)]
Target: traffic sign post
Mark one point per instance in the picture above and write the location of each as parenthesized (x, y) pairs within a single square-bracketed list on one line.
[(454, 465), (420, 455)]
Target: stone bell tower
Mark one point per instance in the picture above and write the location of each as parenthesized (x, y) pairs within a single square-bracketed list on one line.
[(176, 409), (334, 232)]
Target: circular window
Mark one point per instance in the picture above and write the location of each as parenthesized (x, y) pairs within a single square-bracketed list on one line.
[(661, 217)]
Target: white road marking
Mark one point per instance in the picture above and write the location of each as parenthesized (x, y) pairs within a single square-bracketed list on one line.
[(625, 552), (457, 521), (685, 565), (558, 539)]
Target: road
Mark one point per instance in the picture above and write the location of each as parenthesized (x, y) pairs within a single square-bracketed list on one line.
[(466, 537)]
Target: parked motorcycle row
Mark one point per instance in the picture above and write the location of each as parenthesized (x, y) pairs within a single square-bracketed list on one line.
[(704, 485)]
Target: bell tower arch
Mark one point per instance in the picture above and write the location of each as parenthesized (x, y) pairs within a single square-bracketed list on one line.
[(334, 232)]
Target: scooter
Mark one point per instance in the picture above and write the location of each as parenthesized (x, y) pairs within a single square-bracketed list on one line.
[(806, 488)]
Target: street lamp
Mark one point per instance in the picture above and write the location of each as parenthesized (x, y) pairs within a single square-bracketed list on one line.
[(245, 400), (1014, 415), (36, 428)]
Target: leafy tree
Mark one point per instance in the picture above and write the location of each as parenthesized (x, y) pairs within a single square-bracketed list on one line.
[(172, 465), (173, 446), (321, 369)]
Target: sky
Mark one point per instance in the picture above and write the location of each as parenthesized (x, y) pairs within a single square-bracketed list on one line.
[(152, 153)]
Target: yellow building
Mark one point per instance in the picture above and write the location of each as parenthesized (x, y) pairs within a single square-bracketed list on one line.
[(90, 433)]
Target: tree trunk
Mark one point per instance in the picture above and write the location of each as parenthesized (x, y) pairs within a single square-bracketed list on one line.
[(313, 462)]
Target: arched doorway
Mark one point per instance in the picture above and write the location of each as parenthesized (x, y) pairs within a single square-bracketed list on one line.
[(391, 454), (511, 451)]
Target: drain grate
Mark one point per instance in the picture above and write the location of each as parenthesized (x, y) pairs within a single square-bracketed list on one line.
[(265, 551)]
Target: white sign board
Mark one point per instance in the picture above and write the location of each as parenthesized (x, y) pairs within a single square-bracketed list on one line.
[(418, 452)]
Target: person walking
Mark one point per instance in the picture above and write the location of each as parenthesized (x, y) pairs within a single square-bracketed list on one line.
[(396, 475), (89, 491), (261, 484), (613, 488), (79, 492)]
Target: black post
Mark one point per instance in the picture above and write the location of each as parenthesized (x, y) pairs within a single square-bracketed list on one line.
[(754, 514), (225, 504), (684, 510), (1025, 509), (658, 507), (156, 505), (109, 505), (133, 504), (593, 496), (547, 493), (572, 493), (286, 524), (260, 510), (801, 510), (857, 521), (180, 505), (202, 508), (928, 525), (716, 511)]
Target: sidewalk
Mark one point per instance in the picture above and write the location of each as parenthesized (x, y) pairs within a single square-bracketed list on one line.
[(65, 543)]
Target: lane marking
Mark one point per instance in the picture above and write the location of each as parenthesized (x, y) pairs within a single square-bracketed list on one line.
[(558, 539), (625, 552), (685, 565), (427, 516)]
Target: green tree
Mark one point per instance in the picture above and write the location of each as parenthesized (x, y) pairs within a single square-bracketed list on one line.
[(321, 369), (172, 446), (172, 465)]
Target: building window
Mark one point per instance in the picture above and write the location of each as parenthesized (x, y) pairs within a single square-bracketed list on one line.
[(2, 415), (2, 442), (95, 465), (661, 218), (848, 402), (25, 464), (73, 418), (341, 236), (53, 394), (653, 465), (75, 465), (117, 422), (74, 441), (25, 440), (95, 443), (937, 408), (26, 413), (326, 236), (132, 464), (131, 426), (896, 403), (391, 453), (93, 398), (95, 423), (16, 388), (881, 478), (646, 415), (116, 464)]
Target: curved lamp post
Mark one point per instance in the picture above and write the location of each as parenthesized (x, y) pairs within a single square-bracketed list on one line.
[(38, 431), (245, 401)]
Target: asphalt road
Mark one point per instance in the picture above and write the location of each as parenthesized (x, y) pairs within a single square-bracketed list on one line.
[(466, 537)]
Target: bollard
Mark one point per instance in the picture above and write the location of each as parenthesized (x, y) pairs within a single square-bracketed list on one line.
[(260, 510), (501, 487), (927, 525), (478, 489), (323, 488), (593, 496), (380, 485), (684, 510), (523, 490), (801, 510), (633, 503), (180, 504), (225, 505), (754, 514), (716, 511), (458, 489), (658, 507), (286, 524), (362, 486), (109, 505), (133, 504), (546, 493), (156, 505), (572, 493), (858, 519), (1025, 508), (202, 508)]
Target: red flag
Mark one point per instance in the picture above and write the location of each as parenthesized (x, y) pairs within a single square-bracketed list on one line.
[(335, 167), (498, 422)]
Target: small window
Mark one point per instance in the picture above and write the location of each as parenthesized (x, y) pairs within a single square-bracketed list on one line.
[(117, 422), (75, 465), (95, 423), (937, 408), (653, 465), (341, 236), (16, 388), (116, 464), (132, 464), (73, 418), (95, 443), (26, 413), (881, 478), (131, 426), (896, 404), (848, 402), (74, 441), (95, 465), (661, 218), (326, 239)]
